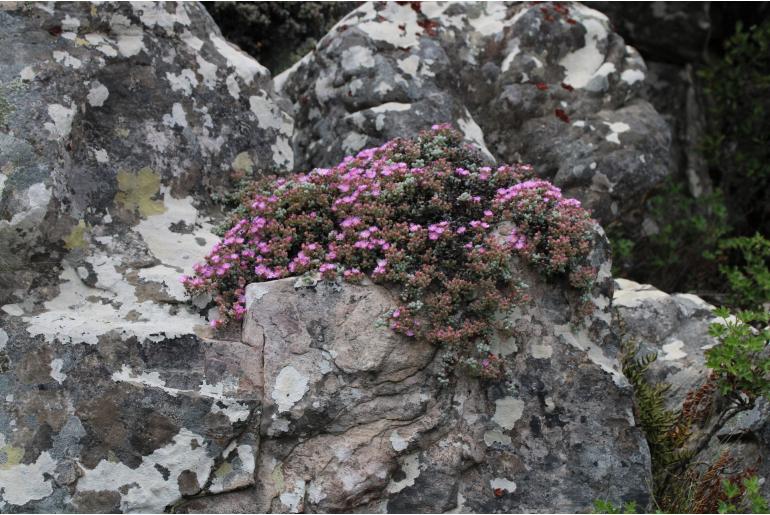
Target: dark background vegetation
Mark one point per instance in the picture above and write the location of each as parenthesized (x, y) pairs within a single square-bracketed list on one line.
[(713, 243)]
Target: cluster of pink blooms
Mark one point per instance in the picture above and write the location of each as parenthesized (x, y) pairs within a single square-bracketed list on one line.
[(420, 214)]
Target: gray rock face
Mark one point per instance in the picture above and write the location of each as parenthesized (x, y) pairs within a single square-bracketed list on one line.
[(109, 110), (547, 83), (118, 121), (673, 326), (354, 418), (676, 328)]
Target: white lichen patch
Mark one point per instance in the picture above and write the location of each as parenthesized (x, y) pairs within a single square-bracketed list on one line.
[(495, 436), (283, 154), (244, 65), (290, 386), (234, 411), (177, 250), (3, 338), (315, 493), (237, 471), (13, 309), (410, 65), (144, 488), (80, 313), (582, 341), (581, 64), (357, 57), (56, 370), (508, 411), (616, 129), (130, 37), (398, 442), (473, 133), (269, 116), (292, 498), (152, 379), (21, 483), (97, 94), (207, 70), (177, 118), (156, 14), (503, 484), (62, 117), (32, 207), (632, 76), (410, 465), (184, 81), (631, 295), (395, 24), (673, 351), (67, 59)]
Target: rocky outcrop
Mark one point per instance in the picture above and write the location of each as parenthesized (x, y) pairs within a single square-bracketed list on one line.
[(118, 122), (114, 116), (355, 418), (548, 83), (675, 327)]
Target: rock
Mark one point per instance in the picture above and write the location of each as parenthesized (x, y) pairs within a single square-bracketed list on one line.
[(355, 419), (546, 83), (116, 115), (120, 120), (675, 327)]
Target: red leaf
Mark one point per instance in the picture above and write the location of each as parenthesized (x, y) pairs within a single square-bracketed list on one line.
[(561, 115)]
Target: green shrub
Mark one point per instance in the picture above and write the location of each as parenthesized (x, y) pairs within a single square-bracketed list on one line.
[(743, 497), (737, 143), (749, 280), (679, 253), (602, 506), (739, 361)]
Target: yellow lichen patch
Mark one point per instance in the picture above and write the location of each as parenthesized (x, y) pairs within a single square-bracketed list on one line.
[(223, 470), (137, 191), (243, 163), (77, 237), (277, 477), (10, 456), (112, 457)]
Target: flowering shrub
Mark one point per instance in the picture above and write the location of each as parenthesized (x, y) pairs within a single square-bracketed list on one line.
[(424, 215)]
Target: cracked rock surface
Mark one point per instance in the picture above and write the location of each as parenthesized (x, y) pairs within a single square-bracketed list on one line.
[(118, 122), (354, 418), (548, 83)]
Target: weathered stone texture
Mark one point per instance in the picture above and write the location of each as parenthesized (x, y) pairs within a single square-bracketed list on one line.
[(548, 83)]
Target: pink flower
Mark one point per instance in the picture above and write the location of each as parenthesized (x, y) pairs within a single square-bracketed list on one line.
[(350, 222)]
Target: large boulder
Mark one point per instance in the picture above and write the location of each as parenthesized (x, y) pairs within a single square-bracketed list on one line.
[(118, 122), (356, 417), (110, 110), (549, 83)]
